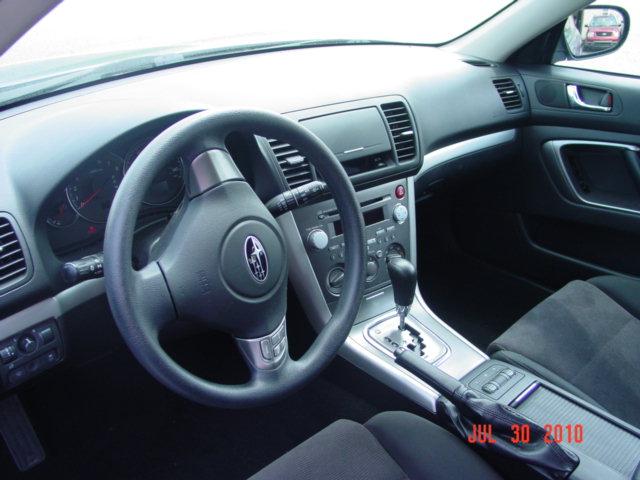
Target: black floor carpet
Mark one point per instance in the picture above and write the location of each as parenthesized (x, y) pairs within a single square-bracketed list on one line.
[(114, 421)]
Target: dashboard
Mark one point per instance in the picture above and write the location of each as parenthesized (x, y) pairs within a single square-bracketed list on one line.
[(62, 158)]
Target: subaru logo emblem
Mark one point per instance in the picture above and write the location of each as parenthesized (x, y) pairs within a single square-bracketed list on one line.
[(256, 258)]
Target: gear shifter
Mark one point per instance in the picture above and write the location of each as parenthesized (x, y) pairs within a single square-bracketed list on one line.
[(403, 280)]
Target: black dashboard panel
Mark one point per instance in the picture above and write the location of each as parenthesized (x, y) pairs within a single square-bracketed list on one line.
[(47, 142)]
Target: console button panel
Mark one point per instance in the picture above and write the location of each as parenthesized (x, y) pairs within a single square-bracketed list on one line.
[(496, 380), (28, 353), (387, 232)]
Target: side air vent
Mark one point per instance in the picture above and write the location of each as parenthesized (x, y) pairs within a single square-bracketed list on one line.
[(404, 137), (508, 93), (13, 264), (295, 167)]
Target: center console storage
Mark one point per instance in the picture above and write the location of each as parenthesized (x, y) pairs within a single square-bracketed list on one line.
[(607, 446)]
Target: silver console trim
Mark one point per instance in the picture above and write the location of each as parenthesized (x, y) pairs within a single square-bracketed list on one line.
[(557, 146), (251, 348), (431, 313), (414, 323), (455, 150)]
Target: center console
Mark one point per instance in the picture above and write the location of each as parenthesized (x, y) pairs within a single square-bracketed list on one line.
[(376, 142)]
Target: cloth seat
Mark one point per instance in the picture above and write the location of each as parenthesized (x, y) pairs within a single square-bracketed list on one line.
[(390, 446), (584, 338)]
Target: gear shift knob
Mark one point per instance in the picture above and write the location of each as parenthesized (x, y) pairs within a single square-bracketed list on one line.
[(403, 280)]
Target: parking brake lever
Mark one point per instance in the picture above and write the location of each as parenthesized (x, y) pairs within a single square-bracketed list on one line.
[(444, 383), (466, 411)]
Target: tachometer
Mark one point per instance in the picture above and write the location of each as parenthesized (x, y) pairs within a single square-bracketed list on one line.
[(167, 185), (92, 189), (60, 213)]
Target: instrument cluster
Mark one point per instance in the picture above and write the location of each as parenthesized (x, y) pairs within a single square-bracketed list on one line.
[(76, 214)]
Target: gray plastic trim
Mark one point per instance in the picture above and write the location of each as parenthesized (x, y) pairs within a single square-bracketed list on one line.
[(53, 307), (466, 147)]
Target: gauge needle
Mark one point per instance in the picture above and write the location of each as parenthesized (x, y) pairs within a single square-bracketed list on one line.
[(87, 200)]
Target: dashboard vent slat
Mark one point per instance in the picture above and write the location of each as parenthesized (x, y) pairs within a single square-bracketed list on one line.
[(294, 166), (13, 264), (508, 92), (401, 128)]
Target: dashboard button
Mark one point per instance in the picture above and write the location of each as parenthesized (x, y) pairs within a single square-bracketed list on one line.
[(318, 239), (8, 354), (400, 191), (372, 269), (400, 213), (17, 375), (46, 334), (27, 344)]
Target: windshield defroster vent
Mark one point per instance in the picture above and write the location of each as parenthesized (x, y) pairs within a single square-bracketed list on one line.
[(401, 127), (294, 166), (509, 93), (13, 263)]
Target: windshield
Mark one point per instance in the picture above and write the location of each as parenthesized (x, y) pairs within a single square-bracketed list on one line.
[(606, 21), (84, 41)]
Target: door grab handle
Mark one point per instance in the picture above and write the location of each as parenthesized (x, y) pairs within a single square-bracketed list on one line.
[(577, 102)]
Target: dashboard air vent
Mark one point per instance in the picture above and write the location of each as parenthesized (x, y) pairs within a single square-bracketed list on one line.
[(508, 93), (404, 137), (295, 167), (13, 265)]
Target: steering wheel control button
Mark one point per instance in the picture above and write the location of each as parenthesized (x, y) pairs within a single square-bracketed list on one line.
[(27, 344), (265, 348), (400, 192), (400, 214), (317, 239)]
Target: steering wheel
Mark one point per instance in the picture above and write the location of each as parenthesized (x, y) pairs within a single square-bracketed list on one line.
[(223, 260)]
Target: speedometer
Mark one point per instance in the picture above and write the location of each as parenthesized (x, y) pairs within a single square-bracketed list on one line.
[(167, 185), (92, 189)]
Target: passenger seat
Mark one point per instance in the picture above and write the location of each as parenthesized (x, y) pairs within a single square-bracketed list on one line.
[(584, 338)]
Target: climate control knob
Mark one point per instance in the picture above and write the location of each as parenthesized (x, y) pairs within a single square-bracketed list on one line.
[(371, 269), (335, 279), (400, 213), (317, 239)]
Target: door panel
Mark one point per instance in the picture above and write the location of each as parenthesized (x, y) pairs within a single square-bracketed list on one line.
[(550, 103), (579, 185)]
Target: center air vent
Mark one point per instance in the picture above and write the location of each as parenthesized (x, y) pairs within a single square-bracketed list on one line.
[(13, 264), (295, 167), (508, 93), (399, 121)]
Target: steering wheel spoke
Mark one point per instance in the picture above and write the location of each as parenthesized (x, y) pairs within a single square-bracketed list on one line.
[(152, 298), (265, 353)]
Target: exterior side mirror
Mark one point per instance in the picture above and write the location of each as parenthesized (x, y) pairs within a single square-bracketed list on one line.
[(595, 31)]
